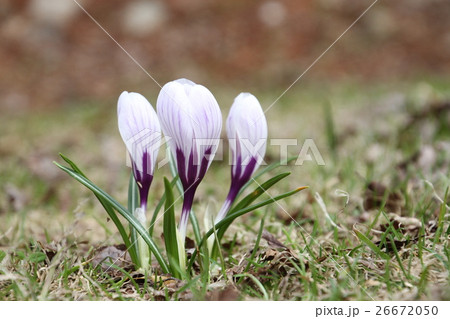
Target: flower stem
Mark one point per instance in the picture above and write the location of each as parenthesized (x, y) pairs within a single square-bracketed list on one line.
[(143, 250)]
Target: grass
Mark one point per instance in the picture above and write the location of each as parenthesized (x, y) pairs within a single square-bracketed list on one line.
[(381, 232)]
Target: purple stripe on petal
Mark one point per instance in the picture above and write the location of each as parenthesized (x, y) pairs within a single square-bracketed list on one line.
[(248, 170), (191, 170), (192, 175), (143, 178), (238, 180), (245, 123), (205, 162), (181, 166), (187, 204), (190, 183), (188, 111), (236, 169)]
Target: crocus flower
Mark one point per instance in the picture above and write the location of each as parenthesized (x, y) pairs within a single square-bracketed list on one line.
[(191, 121), (247, 135), (141, 132)]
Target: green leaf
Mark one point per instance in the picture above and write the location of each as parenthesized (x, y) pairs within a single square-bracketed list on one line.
[(122, 211), (195, 226), (265, 170), (330, 128), (133, 203), (159, 206), (72, 164), (20, 254), (170, 230), (371, 245), (192, 216), (112, 214), (2, 255), (441, 219), (258, 239), (261, 189), (133, 195), (37, 257), (257, 282), (231, 217), (250, 198)]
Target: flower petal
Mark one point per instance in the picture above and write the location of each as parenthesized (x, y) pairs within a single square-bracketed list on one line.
[(140, 130), (191, 119), (205, 111), (247, 132), (173, 109)]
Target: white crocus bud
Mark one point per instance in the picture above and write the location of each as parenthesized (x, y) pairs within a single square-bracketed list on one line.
[(247, 135), (140, 130), (191, 121)]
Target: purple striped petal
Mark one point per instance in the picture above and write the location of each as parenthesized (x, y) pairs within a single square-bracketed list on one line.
[(140, 130), (191, 121), (247, 134)]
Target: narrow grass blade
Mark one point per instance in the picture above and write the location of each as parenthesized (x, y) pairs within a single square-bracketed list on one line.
[(441, 219), (122, 211), (195, 226), (159, 206), (257, 283), (251, 198), (72, 164), (330, 129), (256, 247), (230, 218), (371, 245), (222, 260), (267, 169), (111, 213), (397, 256), (133, 194), (170, 230)]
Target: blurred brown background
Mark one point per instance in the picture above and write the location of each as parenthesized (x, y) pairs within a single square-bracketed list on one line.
[(52, 54)]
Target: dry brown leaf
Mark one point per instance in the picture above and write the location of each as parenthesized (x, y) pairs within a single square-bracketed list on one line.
[(399, 244), (369, 263), (48, 249), (280, 262), (272, 241), (189, 243), (405, 225)]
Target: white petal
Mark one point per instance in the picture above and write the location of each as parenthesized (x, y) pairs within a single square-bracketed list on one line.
[(139, 127), (189, 112), (173, 109), (207, 120), (247, 129)]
